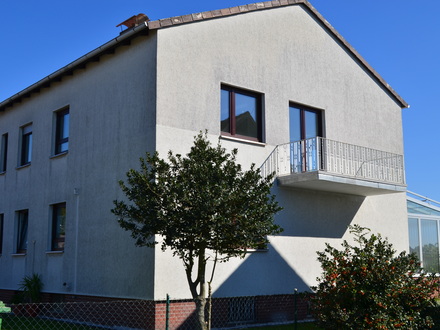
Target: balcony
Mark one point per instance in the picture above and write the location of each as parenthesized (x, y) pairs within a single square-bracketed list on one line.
[(327, 165)]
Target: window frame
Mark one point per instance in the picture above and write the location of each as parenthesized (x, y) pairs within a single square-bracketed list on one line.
[(57, 240), (26, 145), (420, 251), (303, 110), (232, 106), (4, 153), (2, 218), (22, 231), (61, 138)]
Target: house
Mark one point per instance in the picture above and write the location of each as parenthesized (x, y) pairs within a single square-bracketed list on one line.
[(273, 79)]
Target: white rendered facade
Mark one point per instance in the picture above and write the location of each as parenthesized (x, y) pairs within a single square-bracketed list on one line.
[(157, 93)]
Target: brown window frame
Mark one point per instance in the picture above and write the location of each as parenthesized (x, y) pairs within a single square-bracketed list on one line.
[(57, 238), (61, 138), (2, 217), (232, 91), (22, 231), (26, 145), (4, 153)]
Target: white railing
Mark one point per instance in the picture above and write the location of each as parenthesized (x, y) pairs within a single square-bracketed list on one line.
[(333, 157)]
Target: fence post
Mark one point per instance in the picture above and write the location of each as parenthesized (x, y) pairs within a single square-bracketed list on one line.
[(167, 316), (295, 296)]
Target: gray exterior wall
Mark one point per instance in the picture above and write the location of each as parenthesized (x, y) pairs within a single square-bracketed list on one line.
[(157, 94), (112, 115), (288, 56)]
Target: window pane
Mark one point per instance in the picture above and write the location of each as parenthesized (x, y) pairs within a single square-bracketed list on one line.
[(225, 120), (246, 115), (26, 145), (1, 233), (4, 153), (430, 251), (311, 124), (62, 132), (22, 229), (415, 208), (413, 230), (295, 124), (58, 226)]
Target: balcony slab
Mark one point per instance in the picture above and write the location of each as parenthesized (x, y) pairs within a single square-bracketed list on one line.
[(323, 181)]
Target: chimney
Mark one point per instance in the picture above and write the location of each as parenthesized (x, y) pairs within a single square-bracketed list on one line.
[(133, 21)]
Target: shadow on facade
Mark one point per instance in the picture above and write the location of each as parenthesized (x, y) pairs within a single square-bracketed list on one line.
[(316, 214), (265, 273)]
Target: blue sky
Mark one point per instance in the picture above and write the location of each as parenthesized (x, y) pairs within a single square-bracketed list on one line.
[(399, 39)]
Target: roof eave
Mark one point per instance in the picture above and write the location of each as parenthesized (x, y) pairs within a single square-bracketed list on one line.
[(77, 64)]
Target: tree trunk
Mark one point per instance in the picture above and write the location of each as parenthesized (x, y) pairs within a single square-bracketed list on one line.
[(200, 312)]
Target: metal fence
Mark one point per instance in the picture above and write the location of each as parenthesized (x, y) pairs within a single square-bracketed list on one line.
[(227, 313), (336, 158)]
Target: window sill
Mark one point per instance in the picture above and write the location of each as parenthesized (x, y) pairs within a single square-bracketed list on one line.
[(54, 252), (2, 173), (23, 166), (230, 138), (61, 154), (18, 254)]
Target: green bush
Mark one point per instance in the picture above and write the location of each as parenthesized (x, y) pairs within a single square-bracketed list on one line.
[(366, 286)]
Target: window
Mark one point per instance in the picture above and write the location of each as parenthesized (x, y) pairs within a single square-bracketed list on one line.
[(26, 145), (424, 242), (1, 233), (58, 226), (22, 231), (4, 153), (62, 131), (305, 125), (241, 114)]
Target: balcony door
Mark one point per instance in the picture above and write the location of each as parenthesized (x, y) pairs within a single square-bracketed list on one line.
[(304, 125)]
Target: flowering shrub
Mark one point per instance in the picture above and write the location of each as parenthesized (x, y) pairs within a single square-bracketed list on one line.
[(365, 286)]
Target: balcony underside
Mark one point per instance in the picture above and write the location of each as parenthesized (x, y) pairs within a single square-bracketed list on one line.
[(323, 181)]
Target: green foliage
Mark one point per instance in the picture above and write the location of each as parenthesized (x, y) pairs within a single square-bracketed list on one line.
[(30, 288), (204, 200), (198, 203), (366, 286)]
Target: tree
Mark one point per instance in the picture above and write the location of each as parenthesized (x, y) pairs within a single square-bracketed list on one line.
[(200, 203), (366, 286)]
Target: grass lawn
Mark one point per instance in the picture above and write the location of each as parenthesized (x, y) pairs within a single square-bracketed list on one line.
[(10, 322), (300, 326)]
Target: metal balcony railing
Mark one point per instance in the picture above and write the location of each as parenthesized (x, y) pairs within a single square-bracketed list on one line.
[(336, 158)]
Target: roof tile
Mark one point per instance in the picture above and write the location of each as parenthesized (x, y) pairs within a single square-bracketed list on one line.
[(226, 11), (216, 13), (165, 22), (154, 24), (207, 14), (235, 10), (187, 18), (177, 20), (197, 16)]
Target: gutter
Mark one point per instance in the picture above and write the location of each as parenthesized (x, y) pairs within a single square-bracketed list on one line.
[(81, 62)]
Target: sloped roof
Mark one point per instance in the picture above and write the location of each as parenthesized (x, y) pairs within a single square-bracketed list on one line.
[(125, 38)]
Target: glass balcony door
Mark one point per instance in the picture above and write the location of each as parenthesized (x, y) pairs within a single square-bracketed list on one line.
[(304, 127)]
